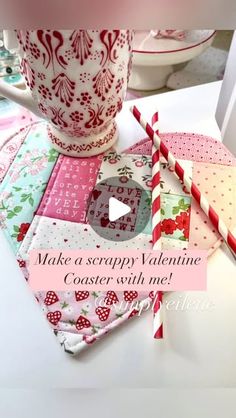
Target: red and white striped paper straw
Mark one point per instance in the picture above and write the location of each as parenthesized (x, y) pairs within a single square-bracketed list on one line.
[(156, 203), (156, 228), (217, 222)]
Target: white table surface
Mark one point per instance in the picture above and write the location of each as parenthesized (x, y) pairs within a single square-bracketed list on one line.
[(199, 347), (208, 403)]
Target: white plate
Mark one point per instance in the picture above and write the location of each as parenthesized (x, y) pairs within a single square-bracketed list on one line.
[(153, 59)]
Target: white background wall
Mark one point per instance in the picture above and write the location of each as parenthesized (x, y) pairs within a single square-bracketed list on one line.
[(226, 108)]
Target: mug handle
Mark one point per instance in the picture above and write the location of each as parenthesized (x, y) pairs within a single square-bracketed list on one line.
[(22, 97), (10, 40)]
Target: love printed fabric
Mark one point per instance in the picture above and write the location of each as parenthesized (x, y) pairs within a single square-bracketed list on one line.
[(69, 188), (98, 210)]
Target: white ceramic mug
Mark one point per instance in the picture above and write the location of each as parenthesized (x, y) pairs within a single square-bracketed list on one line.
[(76, 80)]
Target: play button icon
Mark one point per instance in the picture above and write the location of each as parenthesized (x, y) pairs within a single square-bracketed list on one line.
[(117, 209)]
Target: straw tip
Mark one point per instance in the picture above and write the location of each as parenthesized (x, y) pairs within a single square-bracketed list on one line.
[(136, 113)]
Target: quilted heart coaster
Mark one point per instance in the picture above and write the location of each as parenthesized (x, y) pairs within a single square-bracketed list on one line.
[(45, 198)]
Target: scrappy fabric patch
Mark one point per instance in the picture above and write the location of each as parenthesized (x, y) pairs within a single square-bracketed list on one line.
[(125, 167), (218, 184), (169, 181), (189, 146), (68, 191), (175, 213), (47, 232), (173, 244), (9, 149), (144, 213), (24, 184)]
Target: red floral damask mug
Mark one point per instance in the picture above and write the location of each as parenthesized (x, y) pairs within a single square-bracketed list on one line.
[(76, 80)]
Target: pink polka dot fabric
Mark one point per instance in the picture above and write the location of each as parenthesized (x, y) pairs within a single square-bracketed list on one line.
[(218, 184), (189, 146)]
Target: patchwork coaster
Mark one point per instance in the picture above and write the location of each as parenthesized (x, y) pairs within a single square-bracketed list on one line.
[(44, 203)]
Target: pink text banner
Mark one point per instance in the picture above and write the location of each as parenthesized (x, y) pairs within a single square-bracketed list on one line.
[(117, 270)]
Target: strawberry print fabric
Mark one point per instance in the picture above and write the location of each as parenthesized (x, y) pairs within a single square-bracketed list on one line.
[(79, 312)]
